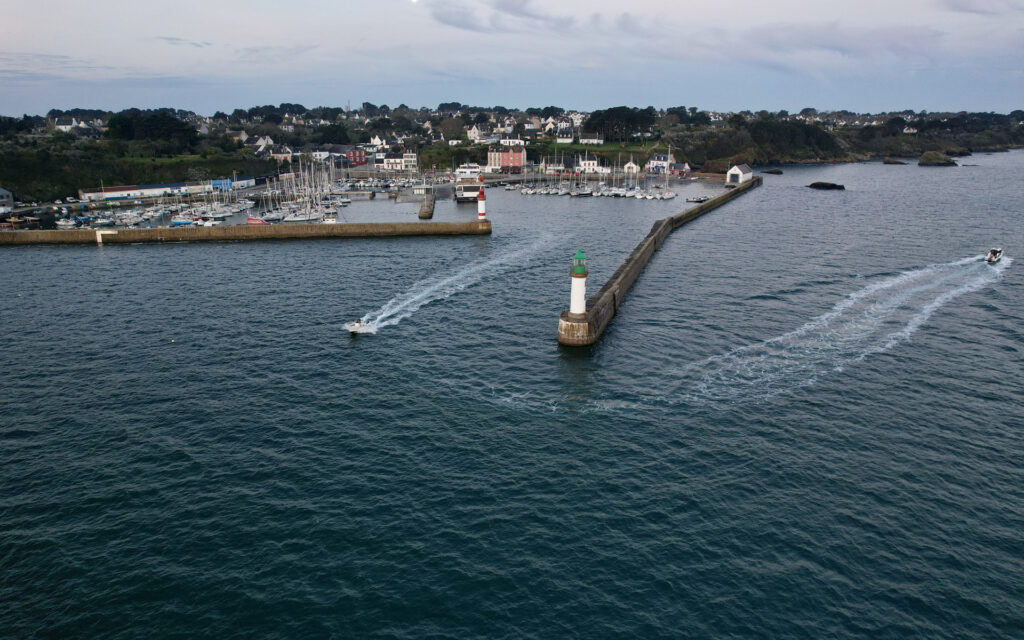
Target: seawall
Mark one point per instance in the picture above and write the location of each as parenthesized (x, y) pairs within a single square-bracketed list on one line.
[(602, 306), (243, 233)]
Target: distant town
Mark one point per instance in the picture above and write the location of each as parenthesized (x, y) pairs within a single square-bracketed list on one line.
[(69, 152)]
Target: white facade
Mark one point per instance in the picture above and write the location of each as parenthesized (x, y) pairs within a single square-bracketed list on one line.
[(578, 295), (410, 162), (512, 142), (393, 164), (566, 138), (631, 167), (739, 174)]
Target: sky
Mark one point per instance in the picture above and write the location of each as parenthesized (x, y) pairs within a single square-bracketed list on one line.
[(209, 55)]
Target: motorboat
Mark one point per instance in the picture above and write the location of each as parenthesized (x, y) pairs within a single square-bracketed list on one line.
[(994, 255), (358, 326), (698, 198)]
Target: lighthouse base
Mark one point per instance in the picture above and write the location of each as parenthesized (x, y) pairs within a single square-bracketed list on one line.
[(575, 330)]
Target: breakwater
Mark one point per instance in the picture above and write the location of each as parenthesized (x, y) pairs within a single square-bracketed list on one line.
[(585, 329), (242, 233)]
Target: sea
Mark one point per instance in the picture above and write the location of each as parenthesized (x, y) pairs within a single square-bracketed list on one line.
[(805, 421)]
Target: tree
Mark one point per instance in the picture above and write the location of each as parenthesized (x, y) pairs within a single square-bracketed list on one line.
[(452, 128), (332, 134)]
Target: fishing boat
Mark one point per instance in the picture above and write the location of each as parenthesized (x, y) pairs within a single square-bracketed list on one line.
[(994, 255)]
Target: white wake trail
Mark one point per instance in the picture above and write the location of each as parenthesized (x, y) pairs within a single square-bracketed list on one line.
[(426, 291), (871, 320)]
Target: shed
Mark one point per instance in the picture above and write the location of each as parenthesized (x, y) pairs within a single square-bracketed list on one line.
[(739, 174)]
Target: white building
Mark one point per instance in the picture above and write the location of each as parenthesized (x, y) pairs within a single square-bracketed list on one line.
[(739, 174), (6, 201), (410, 162), (565, 137), (65, 124), (591, 138), (660, 163), (631, 167), (512, 142)]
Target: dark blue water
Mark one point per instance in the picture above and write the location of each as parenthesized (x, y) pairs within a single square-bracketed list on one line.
[(806, 421)]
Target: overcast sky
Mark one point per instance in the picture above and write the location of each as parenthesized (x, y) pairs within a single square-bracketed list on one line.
[(208, 55)]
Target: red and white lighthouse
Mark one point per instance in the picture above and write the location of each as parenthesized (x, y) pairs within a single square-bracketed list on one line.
[(481, 206)]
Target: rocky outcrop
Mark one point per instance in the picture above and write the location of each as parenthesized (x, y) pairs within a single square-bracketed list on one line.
[(888, 160), (935, 159), (827, 186)]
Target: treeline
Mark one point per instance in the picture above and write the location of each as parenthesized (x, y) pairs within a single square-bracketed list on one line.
[(25, 124), (620, 123), (47, 174)]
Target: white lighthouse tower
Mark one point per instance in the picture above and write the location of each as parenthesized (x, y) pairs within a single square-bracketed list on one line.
[(481, 206), (578, 295)]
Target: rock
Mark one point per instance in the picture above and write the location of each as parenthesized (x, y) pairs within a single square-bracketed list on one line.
[(888, 160), (827, 186), (774, 172), (935, 159)]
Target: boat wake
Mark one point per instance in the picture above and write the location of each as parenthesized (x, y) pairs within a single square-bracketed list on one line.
[(869, 321), (426, 291)]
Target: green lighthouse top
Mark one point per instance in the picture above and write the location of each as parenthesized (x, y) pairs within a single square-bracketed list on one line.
[(579, 263)]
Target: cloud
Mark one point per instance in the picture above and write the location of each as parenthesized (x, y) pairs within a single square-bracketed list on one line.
[(179, 42), (983, 7), (274, 54)]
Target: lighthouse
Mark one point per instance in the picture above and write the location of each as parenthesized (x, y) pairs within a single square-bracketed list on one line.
[(481, 206), (578, 295)]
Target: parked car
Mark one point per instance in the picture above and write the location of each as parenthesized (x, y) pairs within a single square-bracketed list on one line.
[(69, 199), (58, 202)]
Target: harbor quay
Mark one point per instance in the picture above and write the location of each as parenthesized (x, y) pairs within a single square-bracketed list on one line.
[(243, 233), (587, 319)]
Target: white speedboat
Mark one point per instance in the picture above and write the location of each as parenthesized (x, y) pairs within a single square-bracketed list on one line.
[(358, 326), (994, 255), (698, 198)]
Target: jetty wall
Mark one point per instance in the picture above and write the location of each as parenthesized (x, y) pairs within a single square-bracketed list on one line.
[(244, 233), (603, 305)]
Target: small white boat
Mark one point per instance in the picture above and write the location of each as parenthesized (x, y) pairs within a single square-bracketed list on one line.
[(698, 198), (994, 255), (358, 326)]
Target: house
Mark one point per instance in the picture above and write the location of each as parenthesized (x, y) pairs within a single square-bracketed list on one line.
[(739, 174), (680, 169), (588, 164), (591, 138), (506, 159), (379, 142), (410, 162), (6, 201), (476, 133), (511, 142), (239, 136), (565, 137), (659, 163), (554, 165), (909, 130), (279, 152), (65, 124), (393, 162), (631, 167), (454, 143)]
